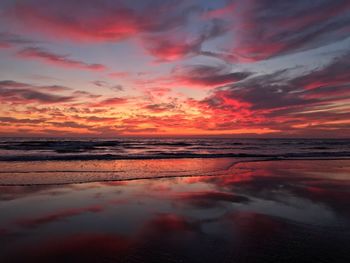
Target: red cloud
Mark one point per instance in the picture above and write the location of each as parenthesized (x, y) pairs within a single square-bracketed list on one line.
[(166, 48), (110, 102), (103, 21), (56, 59)]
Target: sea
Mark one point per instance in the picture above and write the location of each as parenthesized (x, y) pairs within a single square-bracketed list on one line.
[(36, 149)]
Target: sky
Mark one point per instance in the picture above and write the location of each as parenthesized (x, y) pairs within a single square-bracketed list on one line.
[(109, 68)]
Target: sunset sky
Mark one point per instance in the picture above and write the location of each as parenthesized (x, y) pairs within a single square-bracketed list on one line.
[(256, 68)]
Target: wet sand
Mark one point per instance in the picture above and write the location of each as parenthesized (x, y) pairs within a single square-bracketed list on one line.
[(188, 210)]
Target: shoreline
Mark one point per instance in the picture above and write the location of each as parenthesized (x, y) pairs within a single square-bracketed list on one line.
[(108, 157)]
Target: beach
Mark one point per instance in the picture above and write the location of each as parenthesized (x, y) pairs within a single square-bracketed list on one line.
[(175, 210)]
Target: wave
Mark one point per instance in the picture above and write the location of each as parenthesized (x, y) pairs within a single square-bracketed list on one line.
[(160, 155), (162, 148)]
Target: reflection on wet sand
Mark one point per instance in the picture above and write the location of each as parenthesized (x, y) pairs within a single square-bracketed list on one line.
[(279, 211), (68, 172)]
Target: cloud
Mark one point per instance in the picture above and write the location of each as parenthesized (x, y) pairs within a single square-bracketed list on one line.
[(278, 90), (166, 48), (35, 53), (226, 10), (8, 40), (12, 120), (332, 75), (117, 88), (158, 91), (28, 96), (103, 21), (86, 94), (312, 101), (160, 26), (258, 30), (268, 29), (69, 124), (208, 75), (104, 84), (21, 93), (100, 83), (177, 45), (192, 76), (160, 107), (100, 119), (110, 102), (16, 84)]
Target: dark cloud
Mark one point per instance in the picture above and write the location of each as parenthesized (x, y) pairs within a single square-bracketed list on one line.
[(281, 90), (169, 46), (312, 102), (331, 75), (21, 121), (161, 107), (36, 53), (9, 40), (205, 75), (117, 88), (17, 92), (69, 124), (28, 96), (268, 28), (104, 84)]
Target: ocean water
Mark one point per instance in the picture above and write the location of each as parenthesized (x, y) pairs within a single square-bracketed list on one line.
[(17, 149), (174, 200)]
